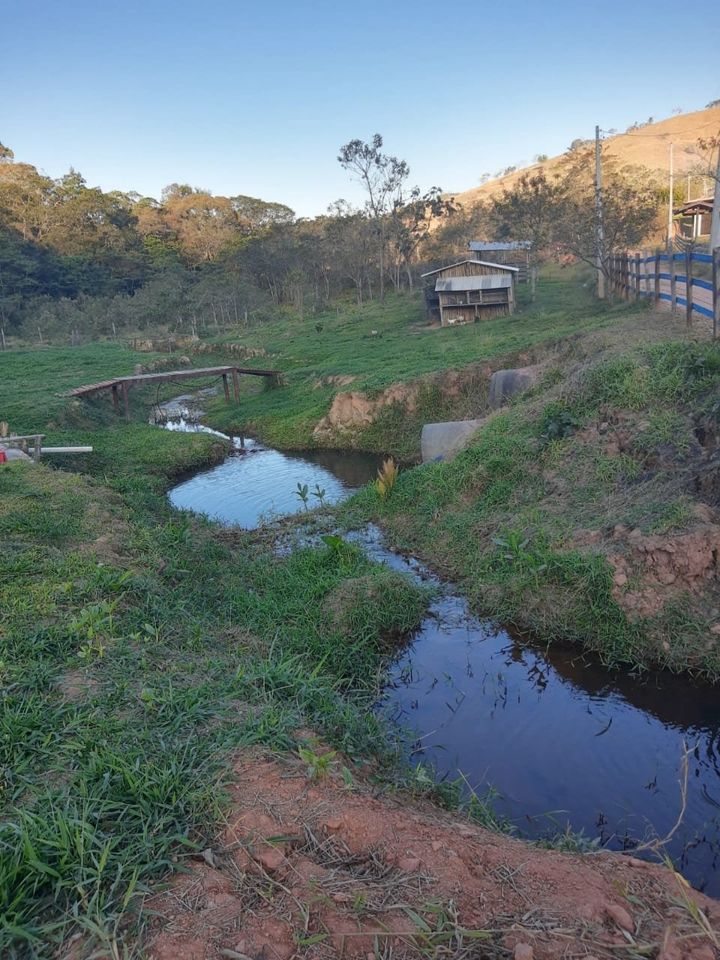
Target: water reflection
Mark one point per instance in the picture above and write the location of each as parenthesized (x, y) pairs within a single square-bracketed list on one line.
[(257, 483), (563, 740)]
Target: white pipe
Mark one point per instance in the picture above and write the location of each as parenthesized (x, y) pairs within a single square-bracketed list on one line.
[(64, 450)]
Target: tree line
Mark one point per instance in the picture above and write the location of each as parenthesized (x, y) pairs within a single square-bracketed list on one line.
[(76, 261)]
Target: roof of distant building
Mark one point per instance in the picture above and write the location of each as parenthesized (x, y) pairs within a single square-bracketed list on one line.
[(482, 263), (493, 281), (500, 245)]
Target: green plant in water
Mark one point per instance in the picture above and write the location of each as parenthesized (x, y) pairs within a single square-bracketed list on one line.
[(302, 493), (387, 478)]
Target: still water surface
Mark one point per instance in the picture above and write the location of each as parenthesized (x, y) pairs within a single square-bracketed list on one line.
[(256, 483), (563, 741)]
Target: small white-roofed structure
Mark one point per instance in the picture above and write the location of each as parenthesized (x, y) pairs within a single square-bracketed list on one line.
[(470, 290)]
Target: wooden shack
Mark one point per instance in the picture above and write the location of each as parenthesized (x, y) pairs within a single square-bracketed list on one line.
[(692, 220), (514, 253), (470, 290)]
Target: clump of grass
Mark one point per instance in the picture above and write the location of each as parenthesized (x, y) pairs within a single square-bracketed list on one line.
[(665, 428), (387, 478)]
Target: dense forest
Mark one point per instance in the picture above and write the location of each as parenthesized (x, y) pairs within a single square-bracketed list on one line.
[(76, 261)]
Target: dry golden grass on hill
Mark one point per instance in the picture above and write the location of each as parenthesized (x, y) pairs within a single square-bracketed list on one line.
[(649, 146)]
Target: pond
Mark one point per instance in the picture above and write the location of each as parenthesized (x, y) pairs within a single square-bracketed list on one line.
[(256, 483), (563, 741)]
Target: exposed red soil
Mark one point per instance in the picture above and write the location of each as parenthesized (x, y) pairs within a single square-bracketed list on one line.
[(313, 868), (663, 567)]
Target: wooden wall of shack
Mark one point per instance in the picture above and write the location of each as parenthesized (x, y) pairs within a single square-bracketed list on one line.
[(468, 313)]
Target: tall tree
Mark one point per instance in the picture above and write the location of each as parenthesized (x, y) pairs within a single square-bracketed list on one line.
[(382, 177)]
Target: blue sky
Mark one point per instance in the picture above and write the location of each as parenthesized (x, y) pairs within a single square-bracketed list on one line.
[(256, 98)]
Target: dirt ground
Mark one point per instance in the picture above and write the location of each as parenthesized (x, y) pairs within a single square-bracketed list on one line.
[(314, 864)]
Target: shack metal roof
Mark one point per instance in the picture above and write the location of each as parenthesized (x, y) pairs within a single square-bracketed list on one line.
[(699, 205), (492, 281), (500, 244), (482, 263)]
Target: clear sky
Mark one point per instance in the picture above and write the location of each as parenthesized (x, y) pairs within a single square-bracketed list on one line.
[(256, 98)]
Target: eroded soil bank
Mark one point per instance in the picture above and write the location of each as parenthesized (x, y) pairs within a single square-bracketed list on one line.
[(316, 864)]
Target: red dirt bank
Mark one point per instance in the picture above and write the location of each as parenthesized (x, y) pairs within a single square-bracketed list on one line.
[(309, 868)]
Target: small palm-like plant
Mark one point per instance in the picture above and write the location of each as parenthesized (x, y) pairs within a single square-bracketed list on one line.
[(302, 493), (386, 478)]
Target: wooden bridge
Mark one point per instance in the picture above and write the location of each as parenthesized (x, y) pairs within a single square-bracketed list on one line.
[(121, 385)]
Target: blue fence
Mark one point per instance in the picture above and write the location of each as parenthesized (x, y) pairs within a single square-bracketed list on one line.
[(696, 288)]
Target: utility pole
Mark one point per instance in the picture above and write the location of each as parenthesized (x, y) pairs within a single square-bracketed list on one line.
[(599, 234), (715, 221), (670, 201)]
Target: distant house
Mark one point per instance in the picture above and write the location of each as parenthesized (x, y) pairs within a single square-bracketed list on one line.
[(692, 219), (470, 290), (515, 253)]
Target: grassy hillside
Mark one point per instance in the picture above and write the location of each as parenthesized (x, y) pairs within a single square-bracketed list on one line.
[(648, 146), (369, 348)]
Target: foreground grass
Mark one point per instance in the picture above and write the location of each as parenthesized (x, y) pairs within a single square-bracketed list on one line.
[(139, 650)]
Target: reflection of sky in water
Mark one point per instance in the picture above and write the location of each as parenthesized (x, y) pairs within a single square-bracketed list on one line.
[(256, 483)]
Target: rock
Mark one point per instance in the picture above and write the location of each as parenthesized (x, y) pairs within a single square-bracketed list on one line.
[(523, 951), (333, 824), (271, 859), (620, 916), (441, 441), (408, 864), (620, 579), (505, 384)]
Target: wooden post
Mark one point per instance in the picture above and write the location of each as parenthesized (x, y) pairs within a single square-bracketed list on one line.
[(688, 285), (126, 399), (716, 290), (226, 388), (115, 400), (673, 292), (37, 451), (236, 385), (637, 276), (656, 292)]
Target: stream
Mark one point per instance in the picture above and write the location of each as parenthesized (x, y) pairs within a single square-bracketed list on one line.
[(565, 743)]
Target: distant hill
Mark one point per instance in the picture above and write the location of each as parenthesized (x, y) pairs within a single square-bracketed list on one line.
[(648, 146)]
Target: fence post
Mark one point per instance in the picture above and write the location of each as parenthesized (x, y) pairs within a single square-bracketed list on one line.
[(627, 275), (656, 291), (716, 290), (637, 276), (688, 284), (673, 292)]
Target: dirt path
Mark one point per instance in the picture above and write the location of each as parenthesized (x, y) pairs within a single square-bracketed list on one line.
[(317, 867)]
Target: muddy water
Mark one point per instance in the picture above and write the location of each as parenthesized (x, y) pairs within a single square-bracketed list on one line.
[(564, 742)]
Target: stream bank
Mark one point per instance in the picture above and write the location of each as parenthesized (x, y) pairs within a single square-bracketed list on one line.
[(568, 746)]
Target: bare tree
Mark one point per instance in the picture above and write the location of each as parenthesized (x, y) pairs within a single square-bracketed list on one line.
[(382, 176)]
